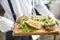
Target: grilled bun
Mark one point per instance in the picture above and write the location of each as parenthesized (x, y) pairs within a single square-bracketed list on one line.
[(34, 24), (50, 27)]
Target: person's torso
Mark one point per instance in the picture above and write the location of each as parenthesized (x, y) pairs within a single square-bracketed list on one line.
[(20, 7)]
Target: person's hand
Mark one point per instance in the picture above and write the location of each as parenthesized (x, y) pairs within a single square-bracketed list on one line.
[(5, 24)]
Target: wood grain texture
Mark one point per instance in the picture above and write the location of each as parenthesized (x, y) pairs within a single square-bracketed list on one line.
[(19, 32), (55, 37)]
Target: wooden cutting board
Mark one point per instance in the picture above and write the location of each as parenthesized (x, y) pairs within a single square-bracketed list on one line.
[(19, 32)]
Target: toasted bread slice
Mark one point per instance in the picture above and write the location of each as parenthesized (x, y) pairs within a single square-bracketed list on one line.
[(35, 24), (20, 18)]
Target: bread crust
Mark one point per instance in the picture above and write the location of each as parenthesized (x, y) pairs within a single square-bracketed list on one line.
[(34, 24)]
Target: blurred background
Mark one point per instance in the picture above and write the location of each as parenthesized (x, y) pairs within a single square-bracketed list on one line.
[(52, 5)]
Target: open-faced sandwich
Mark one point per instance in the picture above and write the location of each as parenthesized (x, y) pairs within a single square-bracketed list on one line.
[(32, 23), (49, 23)]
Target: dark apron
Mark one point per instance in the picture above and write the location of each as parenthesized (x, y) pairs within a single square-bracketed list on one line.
[(10, 37)]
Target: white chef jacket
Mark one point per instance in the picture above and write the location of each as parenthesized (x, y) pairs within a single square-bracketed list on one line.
[(25, 7)]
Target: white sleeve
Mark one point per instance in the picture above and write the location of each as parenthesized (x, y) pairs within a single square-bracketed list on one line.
[(5, 24), (42, 9), (17, 8)]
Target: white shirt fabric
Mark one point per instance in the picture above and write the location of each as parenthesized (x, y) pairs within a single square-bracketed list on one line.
[(25, 7), (6, 7)]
